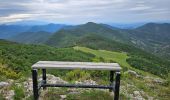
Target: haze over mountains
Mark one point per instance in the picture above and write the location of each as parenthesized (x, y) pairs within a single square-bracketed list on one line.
[(8, 31)]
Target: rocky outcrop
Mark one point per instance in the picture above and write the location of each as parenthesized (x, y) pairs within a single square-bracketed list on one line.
[(3, 84), (28, 87), (5, 90), (133, 74), (54, 80), (154, 80), (50, 79), (8, 94), (63, 97), (137, 96)]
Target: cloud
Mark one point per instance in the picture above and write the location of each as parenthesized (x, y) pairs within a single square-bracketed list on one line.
[(80, 11)]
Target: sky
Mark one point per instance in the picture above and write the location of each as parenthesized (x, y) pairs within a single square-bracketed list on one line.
[(81, 11)]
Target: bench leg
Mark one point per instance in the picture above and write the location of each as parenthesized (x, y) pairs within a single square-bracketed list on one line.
[(35, 84), (44, 77), (111, 80), (117, 85)]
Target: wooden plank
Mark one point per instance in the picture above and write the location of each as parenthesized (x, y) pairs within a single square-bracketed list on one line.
[(71, 63), (76, 65)]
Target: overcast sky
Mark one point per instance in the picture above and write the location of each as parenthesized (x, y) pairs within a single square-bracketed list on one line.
[(81, 11)]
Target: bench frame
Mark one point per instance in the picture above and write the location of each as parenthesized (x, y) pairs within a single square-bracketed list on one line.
[(113, 86)]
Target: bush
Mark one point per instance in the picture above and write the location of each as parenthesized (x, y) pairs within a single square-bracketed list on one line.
[(77, 75), (19, 93)]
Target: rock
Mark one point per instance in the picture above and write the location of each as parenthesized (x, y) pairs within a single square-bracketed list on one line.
[(55, 80), (77, 82), (133, 73), (158, 80), (137, 96), (4, 84), (28, 87), (89, 82), (9, 94), (136, 93), (63, 97), (154, 80)]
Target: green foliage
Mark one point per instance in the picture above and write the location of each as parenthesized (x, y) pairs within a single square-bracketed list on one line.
[(98, 42), (91, 95), (77, 75), (168, 79), (1, 97), (20, 57), (147, 65), (19, 93), (8, 73)]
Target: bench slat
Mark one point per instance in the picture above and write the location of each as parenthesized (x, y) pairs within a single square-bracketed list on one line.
[(76, 65)]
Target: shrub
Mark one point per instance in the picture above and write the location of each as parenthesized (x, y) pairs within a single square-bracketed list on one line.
[(19, 93), (77, 75)]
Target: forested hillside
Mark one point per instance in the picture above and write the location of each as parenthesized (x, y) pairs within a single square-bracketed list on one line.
[(152, 37), (20, 57)]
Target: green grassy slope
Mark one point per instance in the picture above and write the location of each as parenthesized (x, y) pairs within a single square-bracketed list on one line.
[(141, 84), (138, 58), (108, 56)]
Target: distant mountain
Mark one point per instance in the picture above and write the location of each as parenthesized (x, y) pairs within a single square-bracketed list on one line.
[(159, 32), (69, 36), (7, 31), (126, 25), (47, 28), (31, 37), (152, 37)]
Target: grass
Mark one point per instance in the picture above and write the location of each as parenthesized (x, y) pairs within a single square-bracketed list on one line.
[(91, 95), (112, 56), (118, 57)]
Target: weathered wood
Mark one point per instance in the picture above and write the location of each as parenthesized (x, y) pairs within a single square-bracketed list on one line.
[(76, 65)]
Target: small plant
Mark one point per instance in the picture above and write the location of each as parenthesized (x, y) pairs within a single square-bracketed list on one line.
[(77, 75), (19, 93)]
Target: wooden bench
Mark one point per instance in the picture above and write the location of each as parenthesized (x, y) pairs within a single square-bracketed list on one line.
[(114, 68)]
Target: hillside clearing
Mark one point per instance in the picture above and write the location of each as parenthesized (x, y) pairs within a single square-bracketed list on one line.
[(108, 56)]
